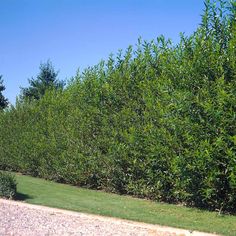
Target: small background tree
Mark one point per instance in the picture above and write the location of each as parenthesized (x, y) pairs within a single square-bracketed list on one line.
[(3, 100), (46, 79)]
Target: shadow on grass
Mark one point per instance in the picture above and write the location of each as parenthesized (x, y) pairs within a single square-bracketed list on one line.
[(22, 197)]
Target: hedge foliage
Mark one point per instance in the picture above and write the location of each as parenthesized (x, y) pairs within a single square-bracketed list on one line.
[(7, 185), (156, 121)]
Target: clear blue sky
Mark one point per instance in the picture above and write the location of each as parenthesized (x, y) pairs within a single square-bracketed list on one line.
[(76, 33)]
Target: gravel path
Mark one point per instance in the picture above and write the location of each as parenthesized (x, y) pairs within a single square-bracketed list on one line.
[(21, 219)]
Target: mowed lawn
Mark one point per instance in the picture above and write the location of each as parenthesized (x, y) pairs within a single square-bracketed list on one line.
[(42, 192)]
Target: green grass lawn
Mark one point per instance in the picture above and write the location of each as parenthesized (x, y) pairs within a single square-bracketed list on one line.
[(42, 192)]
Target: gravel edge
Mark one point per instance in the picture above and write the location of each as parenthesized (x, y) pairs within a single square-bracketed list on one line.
[(157, 228)]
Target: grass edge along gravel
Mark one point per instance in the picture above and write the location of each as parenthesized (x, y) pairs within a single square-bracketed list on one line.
[(42, 192)]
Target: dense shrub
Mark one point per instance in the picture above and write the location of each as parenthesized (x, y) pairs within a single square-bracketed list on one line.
[(7, 185), (158, 121)]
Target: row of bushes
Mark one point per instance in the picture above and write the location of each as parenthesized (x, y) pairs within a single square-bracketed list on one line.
[(158, 121)]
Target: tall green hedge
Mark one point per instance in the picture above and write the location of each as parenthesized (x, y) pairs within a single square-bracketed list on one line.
[(156, 121)]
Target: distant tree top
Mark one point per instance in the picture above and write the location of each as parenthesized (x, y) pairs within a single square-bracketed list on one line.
[(45, 80)]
